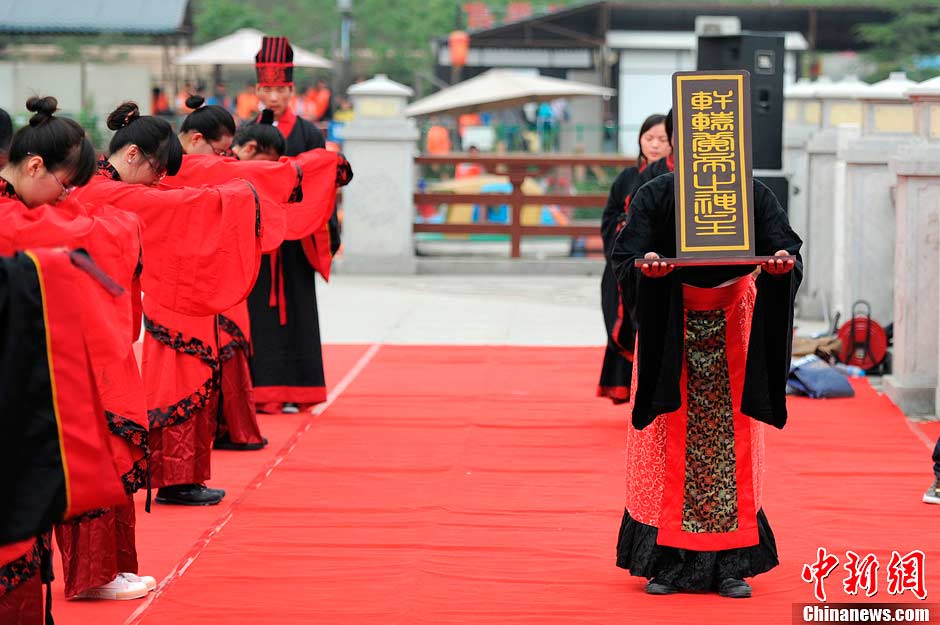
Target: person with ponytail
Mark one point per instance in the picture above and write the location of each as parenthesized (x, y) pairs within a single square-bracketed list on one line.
[(201, 250), (260, 141), (296, 197), (6, 135), (208, 129), (617, 367), (49, 158)]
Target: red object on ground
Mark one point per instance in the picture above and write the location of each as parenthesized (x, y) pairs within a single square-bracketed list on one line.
[(864, 341), (483, 485)]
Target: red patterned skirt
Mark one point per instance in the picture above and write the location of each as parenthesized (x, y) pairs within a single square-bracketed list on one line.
[(695, 474)]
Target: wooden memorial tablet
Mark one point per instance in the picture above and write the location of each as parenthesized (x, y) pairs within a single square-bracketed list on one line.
[(713, 175)]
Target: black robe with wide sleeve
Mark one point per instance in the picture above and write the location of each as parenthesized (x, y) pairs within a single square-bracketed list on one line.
[(617, 365), (657, 308), (287, 360), (615, 211)]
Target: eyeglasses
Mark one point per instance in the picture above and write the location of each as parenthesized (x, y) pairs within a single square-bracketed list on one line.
[(66, 191), (158, 170), (220, 151)]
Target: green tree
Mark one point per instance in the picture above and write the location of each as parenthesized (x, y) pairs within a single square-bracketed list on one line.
[(913, 33), (396, 35), (216, 18)]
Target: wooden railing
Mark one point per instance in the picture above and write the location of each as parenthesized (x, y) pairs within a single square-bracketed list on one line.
[(516, 167)]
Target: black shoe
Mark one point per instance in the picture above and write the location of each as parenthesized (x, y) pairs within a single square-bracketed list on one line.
[(190, 495), (734, 589), (660, 587), (226, 443)]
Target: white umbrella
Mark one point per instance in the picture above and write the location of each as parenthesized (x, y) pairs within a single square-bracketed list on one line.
[(240, 48), (500, 88)]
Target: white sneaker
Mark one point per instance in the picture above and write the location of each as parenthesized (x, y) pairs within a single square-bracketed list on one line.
[(119, 588), (146, 580), (290, 408)]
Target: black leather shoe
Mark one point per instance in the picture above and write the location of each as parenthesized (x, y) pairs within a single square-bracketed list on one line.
[(734, 589), (660, 587), (190, 495), (226, 443)]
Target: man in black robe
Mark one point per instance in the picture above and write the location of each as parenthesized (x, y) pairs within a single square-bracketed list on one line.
[(287, 362)]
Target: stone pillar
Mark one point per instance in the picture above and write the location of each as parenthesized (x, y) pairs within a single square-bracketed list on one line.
[(863, 247), (803, 115), (840, 114), (378, 208), (913, 383)]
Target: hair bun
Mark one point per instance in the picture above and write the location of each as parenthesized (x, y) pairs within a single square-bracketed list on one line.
[(123, 115), (43, 108), (195, 101), (267, 117)]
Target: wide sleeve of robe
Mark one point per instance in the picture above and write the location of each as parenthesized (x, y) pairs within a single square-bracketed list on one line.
[(53, 436), (111, 238), (322, 172), (274, 182), (202, 246), (614, 215)]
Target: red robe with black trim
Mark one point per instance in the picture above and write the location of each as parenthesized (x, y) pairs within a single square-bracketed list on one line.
[(54, 444), (96, 547), (54, 448), (202, 247), (112, 239), (297, 196)]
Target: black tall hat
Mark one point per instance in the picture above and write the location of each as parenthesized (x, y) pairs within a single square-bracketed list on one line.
[(274, 63)]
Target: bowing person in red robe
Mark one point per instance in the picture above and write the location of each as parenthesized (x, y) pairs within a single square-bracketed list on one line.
[(297, 198), (208, 132), (201, 250), (208, 129), (54, 448), (56, 456)]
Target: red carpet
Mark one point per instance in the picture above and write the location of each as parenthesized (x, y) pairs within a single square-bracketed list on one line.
[(485, 485)]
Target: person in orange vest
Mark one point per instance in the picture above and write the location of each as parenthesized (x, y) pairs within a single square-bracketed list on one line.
[(247, 103), (438, 139), (322, 102), (159, 104)]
